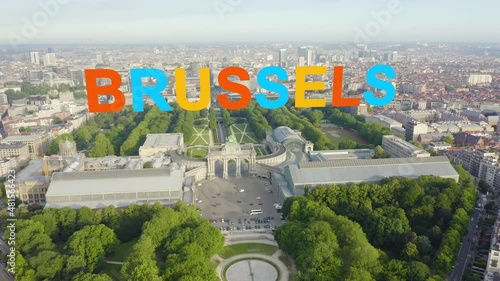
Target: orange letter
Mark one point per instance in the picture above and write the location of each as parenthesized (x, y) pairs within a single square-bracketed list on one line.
[(234, 87), (93, 90), (301, 86), (337, 99), (180, 87)]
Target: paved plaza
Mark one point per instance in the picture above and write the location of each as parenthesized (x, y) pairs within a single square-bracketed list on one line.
[(223, 203), (251, 270)]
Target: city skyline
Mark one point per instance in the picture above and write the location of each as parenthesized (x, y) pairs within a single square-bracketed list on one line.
[(106, 22)]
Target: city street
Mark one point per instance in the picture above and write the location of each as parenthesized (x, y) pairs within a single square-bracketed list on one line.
[(458, 270), (4, 275)]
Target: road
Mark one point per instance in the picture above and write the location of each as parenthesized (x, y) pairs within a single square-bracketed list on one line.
[(221, 132), (458, 270), (4, 275)]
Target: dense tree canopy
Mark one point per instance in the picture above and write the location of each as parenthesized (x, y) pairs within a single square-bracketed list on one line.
[(417, 224), (173, 243)]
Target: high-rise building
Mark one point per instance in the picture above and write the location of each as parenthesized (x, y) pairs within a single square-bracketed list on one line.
[(282, 58), (414, 129), (50, 50), (310, 57), (395, 56), (49, 59), (302, 56), (35, 58), (99, 59)]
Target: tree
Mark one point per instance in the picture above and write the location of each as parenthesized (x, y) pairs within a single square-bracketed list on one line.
[(359, 274), (148, 165), (417, 144), (484, 187), (347, 144), (141, 264), (448, 140), (57, 120), (83, 137), (74, 264), (47, 264), (31, 238), (379, 152), (82, 276), (386, 225), (23, 270), (102, 147), (93, 242), (410, 252), (85, 217), (424, 245), (418, 271)]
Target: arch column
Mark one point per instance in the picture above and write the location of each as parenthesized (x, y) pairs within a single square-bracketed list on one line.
[(211, 169), (225, 174), (251, 166), (238, 167)]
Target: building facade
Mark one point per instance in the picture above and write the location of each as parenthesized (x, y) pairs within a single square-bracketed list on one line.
[(397, 148)]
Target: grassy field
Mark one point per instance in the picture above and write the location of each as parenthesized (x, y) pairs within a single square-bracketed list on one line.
[(200, 136), (113, 271), (197, 152), (245, 248), (260, 150), (241, 127), (338, 135), (123, 250), (243, 133)]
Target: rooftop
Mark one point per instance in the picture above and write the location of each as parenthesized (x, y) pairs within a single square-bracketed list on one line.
[(283, 133), (369, 170), (327, 155), (11, 145), (158, 140), (117, 181), (21, 138)]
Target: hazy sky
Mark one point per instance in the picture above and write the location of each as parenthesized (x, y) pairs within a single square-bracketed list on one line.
[(168, 21)]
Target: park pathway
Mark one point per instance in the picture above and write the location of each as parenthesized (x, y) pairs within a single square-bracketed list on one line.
[(262, 238)]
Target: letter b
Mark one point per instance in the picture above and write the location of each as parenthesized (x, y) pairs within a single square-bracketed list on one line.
[(113, 89)]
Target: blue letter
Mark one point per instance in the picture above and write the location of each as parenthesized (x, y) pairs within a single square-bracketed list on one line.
[(138, 90), (280, 89), (371, 78)]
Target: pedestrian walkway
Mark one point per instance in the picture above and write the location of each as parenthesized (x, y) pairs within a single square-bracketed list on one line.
[(263, 238)]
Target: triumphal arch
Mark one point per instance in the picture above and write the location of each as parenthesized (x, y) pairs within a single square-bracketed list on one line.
[(228, 152)]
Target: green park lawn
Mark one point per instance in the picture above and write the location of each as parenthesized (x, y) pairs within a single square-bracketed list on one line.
[(245, 248), (261, 151), (341, 137), (242, 134), (202, 139), (113, 271), (197, 152), (123, 250)]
